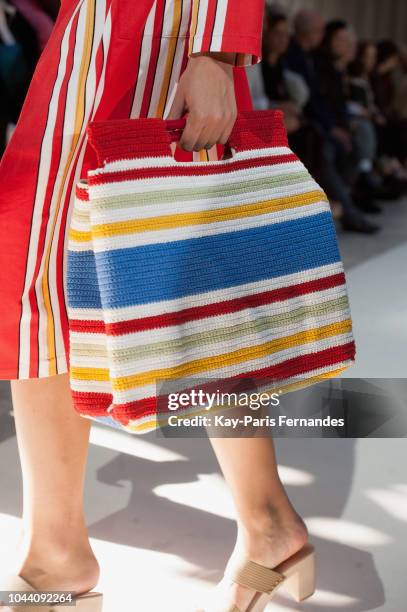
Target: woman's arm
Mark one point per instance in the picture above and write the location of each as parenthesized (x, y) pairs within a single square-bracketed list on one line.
[(223, 34)]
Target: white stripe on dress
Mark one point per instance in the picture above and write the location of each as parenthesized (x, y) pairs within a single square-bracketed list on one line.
[(67, 137), (42, 183)]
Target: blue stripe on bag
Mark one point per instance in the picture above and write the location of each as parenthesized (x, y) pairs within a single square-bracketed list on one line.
[(82, 284), (168, 271)]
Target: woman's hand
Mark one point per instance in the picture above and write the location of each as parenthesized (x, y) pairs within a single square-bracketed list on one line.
[(206, 92)]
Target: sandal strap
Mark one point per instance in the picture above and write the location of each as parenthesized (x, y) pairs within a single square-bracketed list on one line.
[(254, 576)]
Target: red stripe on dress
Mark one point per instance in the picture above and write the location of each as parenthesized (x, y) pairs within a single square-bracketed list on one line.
[(153, 58), (291, 367), (62, 237), (57, 134), (209, 24), (244, 21), (209, 310)]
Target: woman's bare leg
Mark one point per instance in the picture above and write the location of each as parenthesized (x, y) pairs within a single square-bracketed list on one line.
[(269, 530), (53, 440)]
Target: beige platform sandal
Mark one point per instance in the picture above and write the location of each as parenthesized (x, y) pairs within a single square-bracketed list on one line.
[(88, 602), (296, 575)]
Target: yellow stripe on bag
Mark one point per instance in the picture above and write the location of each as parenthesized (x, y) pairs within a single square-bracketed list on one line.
[(206, 216), (212, 363), (78, 236), (155, 422)]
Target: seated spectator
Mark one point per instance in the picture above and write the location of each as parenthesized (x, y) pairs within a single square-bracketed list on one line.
[(388, 60), (367, 119), (286, 89), (275, 77), (308, 34), (361, 96), (329, 61), (337, 51), (356, 140), (400, 86), (393, 132), (331, 122)]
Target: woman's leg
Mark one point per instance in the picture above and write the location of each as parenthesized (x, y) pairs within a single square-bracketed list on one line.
[(53, 442), (269, 530)]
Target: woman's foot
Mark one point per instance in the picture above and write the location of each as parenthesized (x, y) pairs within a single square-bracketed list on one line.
[(52, 567), (268, 543)]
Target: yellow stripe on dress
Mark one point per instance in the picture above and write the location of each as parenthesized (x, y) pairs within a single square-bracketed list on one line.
[(80, 113), (169, 62)]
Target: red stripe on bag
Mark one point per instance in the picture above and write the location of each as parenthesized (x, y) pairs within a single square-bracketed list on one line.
[(202, 170), (91, 403), (209, 310), (292, 367)]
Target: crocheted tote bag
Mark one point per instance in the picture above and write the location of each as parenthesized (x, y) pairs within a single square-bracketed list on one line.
[(223, 269)]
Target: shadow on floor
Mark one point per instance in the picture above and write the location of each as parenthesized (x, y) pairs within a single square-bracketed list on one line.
[(204, 539)]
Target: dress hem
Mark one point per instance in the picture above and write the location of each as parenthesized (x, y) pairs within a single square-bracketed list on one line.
[(11, 374)]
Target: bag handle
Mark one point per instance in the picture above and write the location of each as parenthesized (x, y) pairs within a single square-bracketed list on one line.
[(260, 128), (152, 136)]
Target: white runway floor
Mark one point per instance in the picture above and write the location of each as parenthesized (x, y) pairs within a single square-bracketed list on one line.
[(159, 513)]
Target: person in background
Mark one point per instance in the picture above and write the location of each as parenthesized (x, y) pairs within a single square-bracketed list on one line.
[(329, 60), (388, 61), (308, 33), (361, 95), (354, 145), (400, 85), (368, 122), (287, 90), (393, 132), (309, 30), (276, 84)]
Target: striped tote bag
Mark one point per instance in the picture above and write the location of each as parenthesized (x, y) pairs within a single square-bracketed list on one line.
[(222, 270)]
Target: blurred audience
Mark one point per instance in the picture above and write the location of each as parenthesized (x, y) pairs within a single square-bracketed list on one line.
[(400, 85), (370, 126), (317, 52), (345, 106), (385, 81), (278, 81)]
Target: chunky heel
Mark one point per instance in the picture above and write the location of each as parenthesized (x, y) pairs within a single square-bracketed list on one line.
[(296, 574), (300, 575)]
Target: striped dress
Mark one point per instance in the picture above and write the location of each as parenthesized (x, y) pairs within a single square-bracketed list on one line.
[(105, 59)]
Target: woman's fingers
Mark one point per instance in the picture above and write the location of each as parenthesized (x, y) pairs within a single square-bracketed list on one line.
[(204, 131), (206, 92)]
